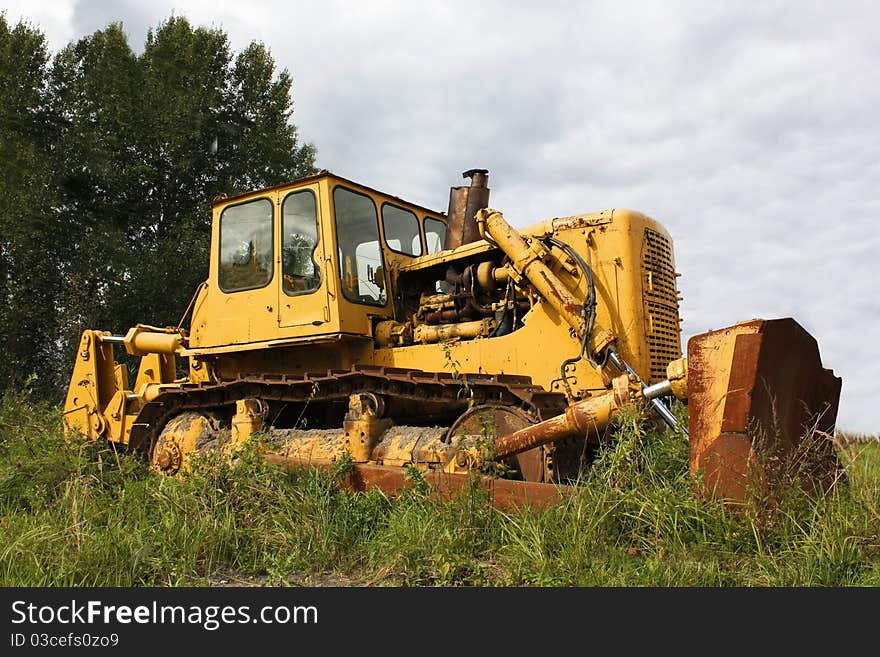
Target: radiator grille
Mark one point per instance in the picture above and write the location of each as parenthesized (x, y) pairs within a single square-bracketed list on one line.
[(661, 303)]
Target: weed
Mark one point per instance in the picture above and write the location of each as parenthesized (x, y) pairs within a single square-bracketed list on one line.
[(454, 367), (343, 466), (84, 514)]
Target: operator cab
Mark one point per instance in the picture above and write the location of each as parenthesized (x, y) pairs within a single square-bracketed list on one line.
[(308, 259)]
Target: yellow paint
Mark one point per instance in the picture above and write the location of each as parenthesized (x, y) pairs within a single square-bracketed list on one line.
[(677, 373), (93, 385), (248, 419), (181, 438), (715, 359), (268, 329)]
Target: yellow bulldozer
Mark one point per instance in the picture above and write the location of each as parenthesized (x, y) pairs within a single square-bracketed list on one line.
[(339, 322)]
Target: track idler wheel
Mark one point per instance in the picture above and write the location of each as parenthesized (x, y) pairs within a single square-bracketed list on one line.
[(187, 433), (491, 421)]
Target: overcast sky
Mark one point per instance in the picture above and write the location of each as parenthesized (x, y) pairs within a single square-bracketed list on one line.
[(750, 130)]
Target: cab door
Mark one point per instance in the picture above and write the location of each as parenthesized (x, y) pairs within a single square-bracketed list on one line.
[(303, 260), (244, 271)]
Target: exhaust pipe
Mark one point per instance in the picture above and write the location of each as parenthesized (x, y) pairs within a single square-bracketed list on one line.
[(464, 203)]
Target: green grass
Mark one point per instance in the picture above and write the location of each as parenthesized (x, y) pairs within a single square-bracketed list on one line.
[(80, 514)]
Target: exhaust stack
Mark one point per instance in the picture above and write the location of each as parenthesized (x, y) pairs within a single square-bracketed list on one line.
[(464, 203)]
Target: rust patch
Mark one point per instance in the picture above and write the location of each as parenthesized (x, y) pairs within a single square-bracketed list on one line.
[(584, 418), (554, 291), (727, 466), (492, 421), (741, 383), (503, 493), (762, 409)]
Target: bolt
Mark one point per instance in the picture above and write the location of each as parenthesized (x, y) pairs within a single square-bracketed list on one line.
[(164, 459)]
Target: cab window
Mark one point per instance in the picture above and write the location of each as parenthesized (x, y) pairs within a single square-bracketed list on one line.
[(300, 272), (246, 253), (401, 230), (435, 234), (361, 267)]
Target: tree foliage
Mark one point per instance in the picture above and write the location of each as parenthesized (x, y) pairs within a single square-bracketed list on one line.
[(29, 292), (111, 160)]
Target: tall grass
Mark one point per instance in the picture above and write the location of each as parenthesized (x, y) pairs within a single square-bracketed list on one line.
[(83, 514)]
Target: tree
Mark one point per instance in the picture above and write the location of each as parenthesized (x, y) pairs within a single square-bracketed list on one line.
[(261, 118), (98, 175), (29, 278), (128, 152)]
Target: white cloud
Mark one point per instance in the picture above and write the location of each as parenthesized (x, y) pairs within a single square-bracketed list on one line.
[(748, 129)]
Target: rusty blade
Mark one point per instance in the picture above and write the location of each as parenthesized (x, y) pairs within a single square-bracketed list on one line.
[(762, 408)]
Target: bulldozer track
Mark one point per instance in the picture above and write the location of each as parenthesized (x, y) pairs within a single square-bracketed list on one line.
[(455, 390)]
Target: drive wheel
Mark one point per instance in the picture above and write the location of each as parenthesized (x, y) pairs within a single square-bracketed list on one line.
[(493, 421), (187, 433)]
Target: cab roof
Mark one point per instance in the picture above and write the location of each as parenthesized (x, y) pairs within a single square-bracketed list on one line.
[(324, 173)]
